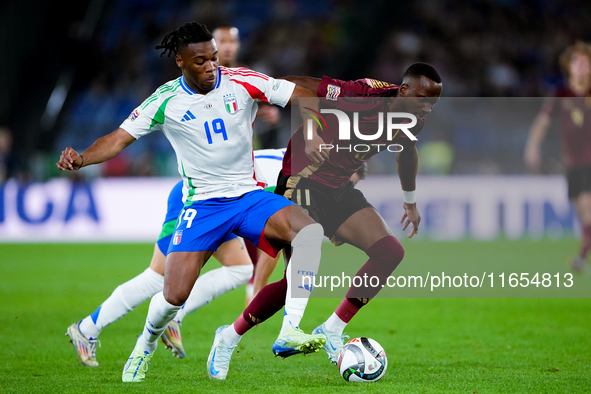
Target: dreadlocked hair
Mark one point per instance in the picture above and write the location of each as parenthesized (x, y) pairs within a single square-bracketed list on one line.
[(189, 33)]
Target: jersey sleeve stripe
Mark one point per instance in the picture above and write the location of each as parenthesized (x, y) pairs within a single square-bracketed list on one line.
[(254, 92), (247, 70), (161, 90), (245, 75), (244, 72)]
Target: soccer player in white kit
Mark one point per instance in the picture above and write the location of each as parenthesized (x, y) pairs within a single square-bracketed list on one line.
[(235, 271), (207, 116)]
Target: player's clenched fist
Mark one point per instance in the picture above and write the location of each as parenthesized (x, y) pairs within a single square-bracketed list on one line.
[(69, 160)]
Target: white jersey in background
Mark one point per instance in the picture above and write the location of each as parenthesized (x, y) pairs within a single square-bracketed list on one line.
[(268, 163), (211, 134)]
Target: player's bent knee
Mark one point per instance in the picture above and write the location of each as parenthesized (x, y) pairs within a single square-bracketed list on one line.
[(309, 235), (175, 297), (240, 274)]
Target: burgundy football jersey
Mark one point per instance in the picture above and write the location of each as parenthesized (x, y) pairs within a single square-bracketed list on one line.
[(575, 125), (367, 98)]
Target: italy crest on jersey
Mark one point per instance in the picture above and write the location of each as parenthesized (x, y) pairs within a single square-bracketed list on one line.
[(178, 235), (230, 103)]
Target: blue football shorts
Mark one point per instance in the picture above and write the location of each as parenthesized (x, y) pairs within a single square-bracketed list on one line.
[(205, 225), (175, 205)]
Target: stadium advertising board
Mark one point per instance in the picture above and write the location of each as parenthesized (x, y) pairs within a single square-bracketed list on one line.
[(132, 209)]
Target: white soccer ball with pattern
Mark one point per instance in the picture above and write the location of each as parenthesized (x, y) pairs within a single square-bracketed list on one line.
[(362, 360)]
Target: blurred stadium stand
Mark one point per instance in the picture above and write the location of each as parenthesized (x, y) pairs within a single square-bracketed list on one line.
[(72, 73)]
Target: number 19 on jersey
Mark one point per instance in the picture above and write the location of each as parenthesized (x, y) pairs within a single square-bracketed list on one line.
[(218, 127)]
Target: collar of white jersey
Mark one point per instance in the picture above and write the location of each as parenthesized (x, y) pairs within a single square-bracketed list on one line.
[(191, 92)]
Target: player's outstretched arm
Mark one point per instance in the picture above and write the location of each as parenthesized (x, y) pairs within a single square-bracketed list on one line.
[(308, 100), (537, 133), (408, 161), (103, 149), (309, 83), (306, 94)]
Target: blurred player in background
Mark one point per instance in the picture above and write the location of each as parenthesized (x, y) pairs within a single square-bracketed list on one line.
[(207, 116), (320, 183), (227, 38), (572, 102)]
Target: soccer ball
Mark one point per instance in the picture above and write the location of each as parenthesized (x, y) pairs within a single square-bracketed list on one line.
[(362, 360)]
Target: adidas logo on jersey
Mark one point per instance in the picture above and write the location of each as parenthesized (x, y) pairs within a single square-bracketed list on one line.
[(188, 116)]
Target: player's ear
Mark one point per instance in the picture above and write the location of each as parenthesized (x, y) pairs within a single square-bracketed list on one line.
[(403, 90), (179, 60)]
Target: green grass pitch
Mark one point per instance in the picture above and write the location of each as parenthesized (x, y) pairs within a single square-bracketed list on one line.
[(434, 345)]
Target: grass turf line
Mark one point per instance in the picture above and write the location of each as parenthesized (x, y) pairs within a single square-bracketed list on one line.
[(433, 345)]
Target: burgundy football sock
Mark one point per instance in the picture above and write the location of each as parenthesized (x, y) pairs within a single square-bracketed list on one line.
[(384, 257), (347, 309), (267, 302)]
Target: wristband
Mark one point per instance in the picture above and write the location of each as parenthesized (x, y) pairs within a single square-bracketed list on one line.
[(409, 197), (81, 164)]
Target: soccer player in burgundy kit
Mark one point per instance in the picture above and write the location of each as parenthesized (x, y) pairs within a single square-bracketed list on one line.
[(320, 182), (572, 102)]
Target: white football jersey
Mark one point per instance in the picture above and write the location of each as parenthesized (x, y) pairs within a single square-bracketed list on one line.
[(211, 134)]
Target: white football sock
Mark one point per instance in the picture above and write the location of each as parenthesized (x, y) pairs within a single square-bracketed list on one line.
[(229, 335), (124, 298), (302, 268), (296, 307), (334, 323), (161, 312), (213, 284)]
